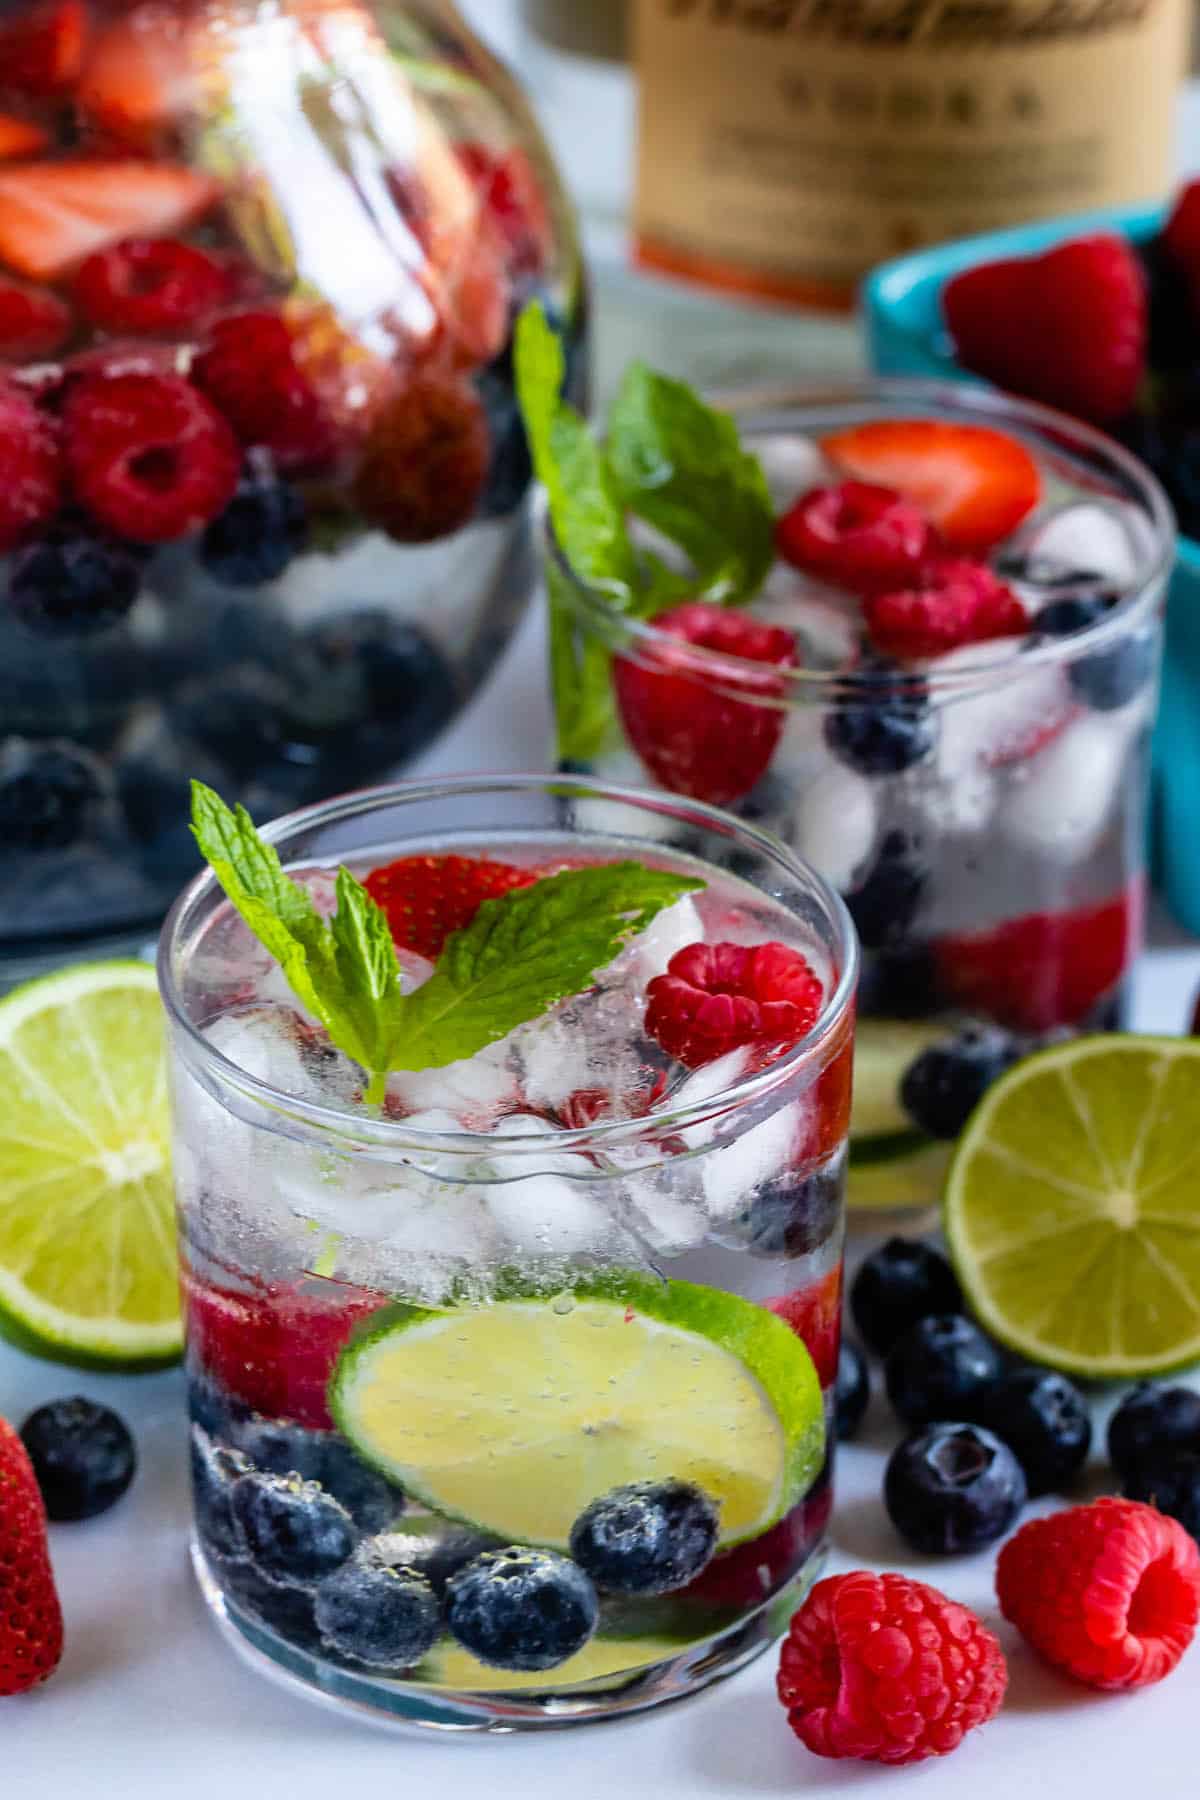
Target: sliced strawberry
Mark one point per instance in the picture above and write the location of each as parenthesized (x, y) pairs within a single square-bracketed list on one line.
[(33, 322), (1067, 328), (815, 1315), (53, 215), (974, 484), (20, 137), (954, 602), (511, 192), (1043, 969), (428, 898), (41, 48), (31, 1623), (139, 76)]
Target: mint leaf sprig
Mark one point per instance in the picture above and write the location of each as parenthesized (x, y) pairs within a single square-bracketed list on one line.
[(522, 953)]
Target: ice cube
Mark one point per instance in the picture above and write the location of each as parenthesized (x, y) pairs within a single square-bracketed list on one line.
[(833, 823), (667, 1207), (547, 1204), (1104, 540), (702, 1085), (275, 1046), (826, 622), (733, 1171), (474, 1090), (648, 954), (791, 465), (1003, 717), (1064, 799)]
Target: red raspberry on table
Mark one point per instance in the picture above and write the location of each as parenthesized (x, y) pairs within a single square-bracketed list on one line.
[(30, 467), (715, 998), (952, 602), (887, 1670), (31, 1626), (33, 321), (426, 459), (814, 1313), (1108, 1593), (253, 375), (1067, 328), (857, 535), (428, 898), (147, 455), (149, 284), (685, 716)]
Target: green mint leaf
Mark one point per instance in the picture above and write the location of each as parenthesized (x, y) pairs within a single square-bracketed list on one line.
[(368, 973), (523, 952), (679, 464)]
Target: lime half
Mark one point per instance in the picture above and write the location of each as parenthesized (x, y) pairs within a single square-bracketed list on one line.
[(515, 1416), (87, 1231), (1073, 1207)]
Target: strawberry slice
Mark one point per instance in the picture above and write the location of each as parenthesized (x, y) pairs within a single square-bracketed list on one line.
[(974, 484), (428, 898), (139, 77), (41, 49), (815, 1315), (20, 137), (53, 215)]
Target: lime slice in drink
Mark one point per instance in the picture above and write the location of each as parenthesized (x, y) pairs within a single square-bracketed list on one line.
[(893, 1166), (87, 1230), (516, 1415), (1071, 1209), (451, 1666)]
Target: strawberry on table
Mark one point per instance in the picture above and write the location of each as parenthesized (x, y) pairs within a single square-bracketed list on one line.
[(428, 898), (953, 602), (54, 214), (41, 48), (1067, 328), (33, 322), (973, 483), (31, 1626)]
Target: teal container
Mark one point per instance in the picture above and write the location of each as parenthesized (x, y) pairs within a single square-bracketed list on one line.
[(905, 334)]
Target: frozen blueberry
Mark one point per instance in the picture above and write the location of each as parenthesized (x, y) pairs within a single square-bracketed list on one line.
[(953, 1488), (295, 1531), (368, 691), (236, 717), (791, 1214), (156, 803), (1044, 1420), (261, 530), (884, 906), (1153, 1424), (214, 1471), (1172, 1485), (1105, 679), (901, 1282), (73, 587), (374, 1613), (433, 1547), (521, 1609), (883, 724), (511, 469), (648, 1538), (852, 1390), (82, 1454), (941, 1368), (49, 795), (281, 1449), (899, 983), (213, 1408), (286, 1610), (942, 1087)]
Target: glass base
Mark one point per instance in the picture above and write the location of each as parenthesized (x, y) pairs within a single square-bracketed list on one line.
[(402, 1706)]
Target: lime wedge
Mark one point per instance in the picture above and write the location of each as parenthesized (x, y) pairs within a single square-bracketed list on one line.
[(515, 1416), (453, 1667), (1071, 1209), (87, 1230)]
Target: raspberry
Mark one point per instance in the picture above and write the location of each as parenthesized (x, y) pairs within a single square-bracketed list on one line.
[(30, 473), (1108, 1593), (858, 536), (717, 997), (252, 374), (148, 456), (953, 602), (427, 898), (887, 1670), (426, 460), (33, 322), (149, 284), (685, 719), (511, 193), (814, 1313)]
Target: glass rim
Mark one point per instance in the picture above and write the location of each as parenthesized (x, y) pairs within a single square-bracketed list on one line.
[(331, 1126), (787, 686)]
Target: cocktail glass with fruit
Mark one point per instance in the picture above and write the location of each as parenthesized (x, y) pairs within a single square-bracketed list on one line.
[(510, 1193), (263, 485), (912, 629)]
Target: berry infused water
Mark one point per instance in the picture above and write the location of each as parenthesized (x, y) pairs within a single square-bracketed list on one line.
[(915, 632), (510, 1158)]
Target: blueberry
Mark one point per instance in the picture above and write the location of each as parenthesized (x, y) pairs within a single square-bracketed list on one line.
[(49, 795), (511, 469), (1172, 1485), (1109, 678), (211, 1407), (324, 1457), (215, 1469), (156, 803), (237, 718), (648, 1538), (286, 1610), (261, 530), (941, 1368), (73, 587), (899, 983), (885, 904), (433, 1547), (942, 1087), (82, 1454), (295, 1531), (377, 1614), (953, 1488), (896, 1285), (852, 1390), (521, 1609), (791, 1214), (1153, 1424), (884, 722), (368, 690), (1044, 1420)]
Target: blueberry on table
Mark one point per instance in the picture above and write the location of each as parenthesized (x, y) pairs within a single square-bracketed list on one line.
[(953, 1488), (648, 1538), (901, 1282), (1044, 1420), (74, 587), (295, 1532), (942, 1368), (263, 527), (885, 903), (49, 794), (942, 1087), (852, 1390), (884, 724), (83, 1456), (280, 1448), (521, 1609), (791, 1214), (1172, 1485), (1153, 1424), (374, 1613)]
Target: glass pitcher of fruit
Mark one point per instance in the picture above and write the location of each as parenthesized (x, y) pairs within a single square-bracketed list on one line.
[(262, 477)]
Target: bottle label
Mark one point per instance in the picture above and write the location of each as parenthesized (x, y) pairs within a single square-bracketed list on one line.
[(786, 146)]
